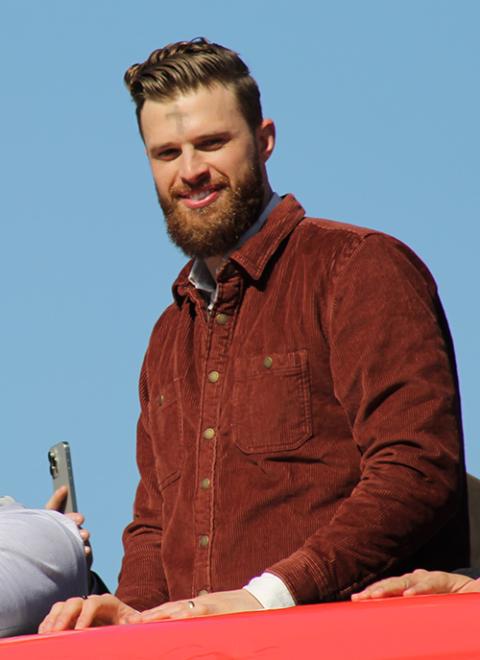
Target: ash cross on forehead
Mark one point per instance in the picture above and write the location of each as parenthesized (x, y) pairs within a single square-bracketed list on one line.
[(179, 118)]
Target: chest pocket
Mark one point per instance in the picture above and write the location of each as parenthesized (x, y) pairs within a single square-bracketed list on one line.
[(271, 402), (167, 432)]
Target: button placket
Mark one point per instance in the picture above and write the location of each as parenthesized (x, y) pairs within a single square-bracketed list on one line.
[(218, 342)]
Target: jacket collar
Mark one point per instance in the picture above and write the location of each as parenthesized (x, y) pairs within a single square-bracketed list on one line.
[(255, 254)]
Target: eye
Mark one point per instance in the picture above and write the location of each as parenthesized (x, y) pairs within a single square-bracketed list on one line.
[(212, 143), (167, 154)]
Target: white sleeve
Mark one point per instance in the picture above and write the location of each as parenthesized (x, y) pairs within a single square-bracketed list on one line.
[(270, 591), (41, 561)]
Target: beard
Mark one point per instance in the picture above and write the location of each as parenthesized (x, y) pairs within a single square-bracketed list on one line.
[(215, 230)]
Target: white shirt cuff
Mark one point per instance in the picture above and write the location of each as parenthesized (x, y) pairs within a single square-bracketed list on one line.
[(270, 591)]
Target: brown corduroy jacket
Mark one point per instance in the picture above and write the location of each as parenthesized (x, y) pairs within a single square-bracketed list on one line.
[(309, 425)]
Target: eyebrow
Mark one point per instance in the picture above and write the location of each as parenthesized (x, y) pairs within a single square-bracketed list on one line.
[(215, 135), (161, 147)]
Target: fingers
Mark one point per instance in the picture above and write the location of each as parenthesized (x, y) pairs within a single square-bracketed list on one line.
[(181, 609), (85, 534), (390, 587), (221, 602), (131, 618), (62, 616), (80, 613), (57, 499), (176, 610), (91, 613), (420, 582), (78, 518), (437, 582)]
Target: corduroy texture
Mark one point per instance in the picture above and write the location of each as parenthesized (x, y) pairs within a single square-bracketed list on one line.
[(331, 438)]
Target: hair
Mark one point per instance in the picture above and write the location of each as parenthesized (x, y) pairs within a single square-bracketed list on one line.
[(185, 66)]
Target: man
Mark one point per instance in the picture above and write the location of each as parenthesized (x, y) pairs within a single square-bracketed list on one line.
[(300, 431)]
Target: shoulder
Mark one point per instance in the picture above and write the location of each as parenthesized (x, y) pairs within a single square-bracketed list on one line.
[(328, 232), (345, 245)]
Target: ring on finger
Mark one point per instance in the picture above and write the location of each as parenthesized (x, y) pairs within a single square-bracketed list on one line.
[(191, 604)]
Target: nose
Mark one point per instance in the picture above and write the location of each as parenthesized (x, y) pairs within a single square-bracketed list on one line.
[(193, 168)]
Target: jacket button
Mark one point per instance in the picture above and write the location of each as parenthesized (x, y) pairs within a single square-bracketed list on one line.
[(203, 592), (203, 541), (205, 483), (221, 319), (213, 376), (268, 362), (209, 434)]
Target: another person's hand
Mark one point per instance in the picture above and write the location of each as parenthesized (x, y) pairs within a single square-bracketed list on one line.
[(79, 613), (419, 582), (219, 602), (55, 504)]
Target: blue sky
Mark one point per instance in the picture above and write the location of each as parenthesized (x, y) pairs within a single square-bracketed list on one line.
[(376, 105)]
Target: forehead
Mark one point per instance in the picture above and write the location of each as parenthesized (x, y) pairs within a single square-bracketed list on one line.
[(200, 111)]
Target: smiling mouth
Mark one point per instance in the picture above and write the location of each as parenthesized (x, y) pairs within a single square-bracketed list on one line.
[(195, 199)]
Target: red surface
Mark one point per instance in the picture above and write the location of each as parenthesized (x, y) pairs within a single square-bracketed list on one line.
[(422, 627)]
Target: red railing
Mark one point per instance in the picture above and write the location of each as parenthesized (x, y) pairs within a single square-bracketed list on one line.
[(421, 627)]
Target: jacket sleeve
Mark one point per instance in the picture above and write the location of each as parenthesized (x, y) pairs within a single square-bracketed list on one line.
[(394, 375), (142, 582)]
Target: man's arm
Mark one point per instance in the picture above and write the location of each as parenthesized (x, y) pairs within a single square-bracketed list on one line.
[(142, 582), (394, 375)]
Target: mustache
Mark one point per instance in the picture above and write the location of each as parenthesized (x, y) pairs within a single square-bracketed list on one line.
[(187, 189)]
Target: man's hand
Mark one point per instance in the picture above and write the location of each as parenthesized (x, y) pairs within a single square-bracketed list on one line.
[(55, 504), (79, 613), (219, 602), (419, 582)]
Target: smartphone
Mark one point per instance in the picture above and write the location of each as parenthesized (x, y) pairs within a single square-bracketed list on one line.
[(61, 470)]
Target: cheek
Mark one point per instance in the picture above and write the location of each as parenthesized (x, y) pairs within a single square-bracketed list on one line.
[(163, 179), (234, 165)]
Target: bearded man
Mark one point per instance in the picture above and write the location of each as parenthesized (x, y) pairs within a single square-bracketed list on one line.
[(300, 433)]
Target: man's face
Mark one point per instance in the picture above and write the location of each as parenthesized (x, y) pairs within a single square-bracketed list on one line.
[(208, 167)]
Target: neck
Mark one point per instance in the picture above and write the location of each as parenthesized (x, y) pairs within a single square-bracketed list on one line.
[(214, 264)]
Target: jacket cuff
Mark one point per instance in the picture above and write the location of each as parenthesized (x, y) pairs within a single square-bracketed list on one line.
[(302, 577)]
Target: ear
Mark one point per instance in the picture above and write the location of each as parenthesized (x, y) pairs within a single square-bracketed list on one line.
[(265, 139)]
